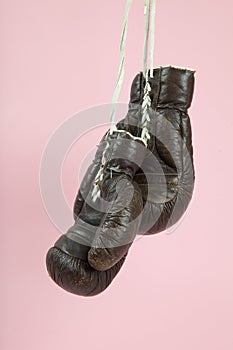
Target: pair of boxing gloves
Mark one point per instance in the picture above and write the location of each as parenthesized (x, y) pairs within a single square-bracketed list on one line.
[(140, 182)]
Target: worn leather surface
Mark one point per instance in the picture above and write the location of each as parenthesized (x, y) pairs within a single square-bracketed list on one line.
[(171, 180), (76, 275), (94, 248)]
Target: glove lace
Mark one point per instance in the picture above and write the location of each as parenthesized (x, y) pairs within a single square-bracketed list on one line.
[(149, 12)]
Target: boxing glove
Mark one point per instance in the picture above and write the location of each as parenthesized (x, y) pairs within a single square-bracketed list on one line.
[(155, 181), (107, 214), (167, 179)]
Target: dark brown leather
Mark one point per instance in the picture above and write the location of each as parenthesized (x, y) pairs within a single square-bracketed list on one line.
[(76, 275), (163, 189), (111, 242), (170, 87), (171, 96)]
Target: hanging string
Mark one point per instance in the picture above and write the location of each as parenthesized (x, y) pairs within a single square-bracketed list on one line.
[(149, 32), (146, 104), (152, 37), (119, 83), (121, 71), (147, 9)]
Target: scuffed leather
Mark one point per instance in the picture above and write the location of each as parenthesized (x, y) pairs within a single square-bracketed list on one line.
[(80, 262), (76, 275), (171, 95), (111, 242), (170, 87)]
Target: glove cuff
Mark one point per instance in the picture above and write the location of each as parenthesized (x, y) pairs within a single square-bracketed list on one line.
[(171, 87)]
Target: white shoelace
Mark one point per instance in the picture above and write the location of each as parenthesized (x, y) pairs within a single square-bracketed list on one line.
[(121, 71), (149, 12)]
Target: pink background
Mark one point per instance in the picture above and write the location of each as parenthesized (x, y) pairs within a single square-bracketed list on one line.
[(175, 291)]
